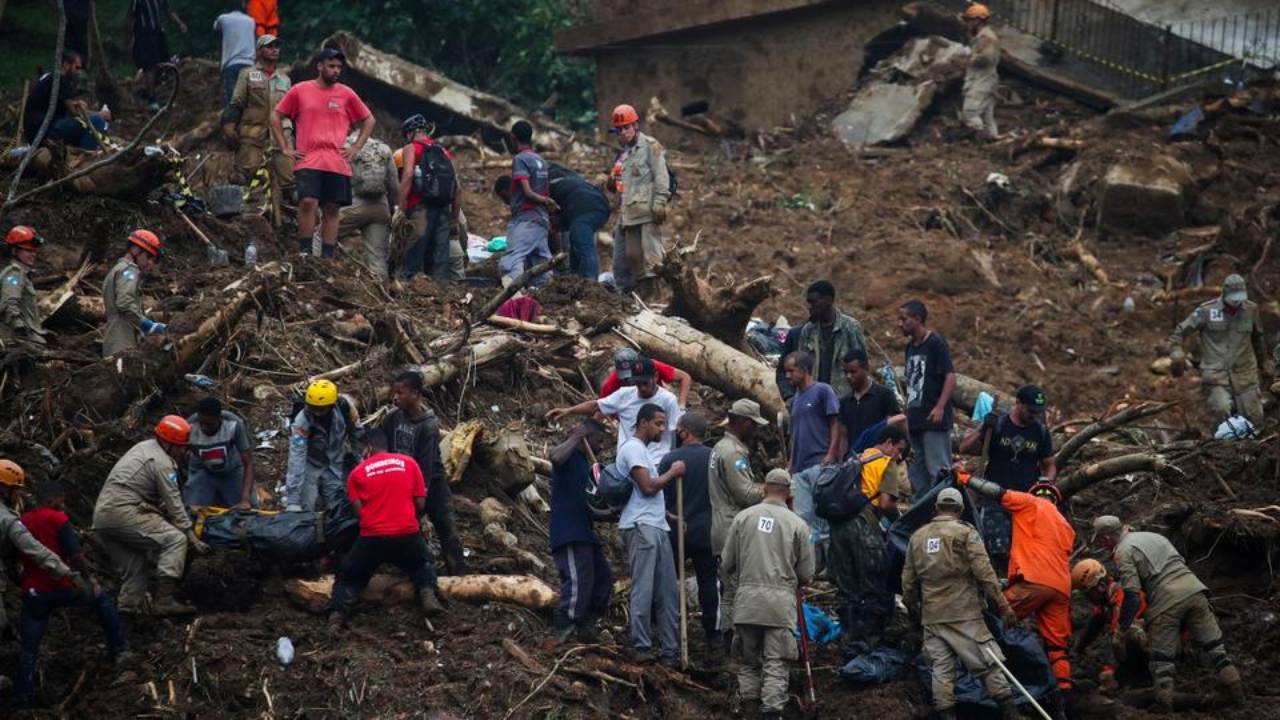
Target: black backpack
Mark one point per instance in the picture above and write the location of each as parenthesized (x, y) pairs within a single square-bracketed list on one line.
[(837, 494), (435, 182), (608, 492)]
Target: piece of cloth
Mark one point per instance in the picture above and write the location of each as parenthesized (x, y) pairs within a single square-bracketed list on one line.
[(123, 304), (420, 439), (1149, 563), (37, 610), (769, 554), (529, 165), (665, 375), (1042, 542), (409, 553), (970, 641), (803, 485), (930, 454), (52, 529), (646, 182), (765, 653), (1015, 453), (945, 570), (1052, 609), (526, 247), (828, 346), (697, 497), (322, 117), (570, 516), (732, 486), (316, 447), (1164, 632), (132, 549), (524, 308), (928, 364), (641, 509), (327, 188), (385, 486), (220, 452), (19, 310), (625, 405), (267, 16), (857, 414), (38, 103), (586, 580), (143, 483), (812, 411), (238, 39), (980, 83), (371, 220), (1228, 364), (654, 589), (864, 602)]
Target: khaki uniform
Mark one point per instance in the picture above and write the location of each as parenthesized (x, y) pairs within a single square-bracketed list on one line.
[(124, 308), (945, 577), (768, 553), (255, 96), (139, 514), (645, 186), (733, 486), (18, 309), (1148, 562), (15, 536), (1228, 366), (371, 215), (980, 83)]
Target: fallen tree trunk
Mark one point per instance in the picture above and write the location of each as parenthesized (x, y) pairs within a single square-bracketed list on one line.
[(721, 312), (524, 590), (1109, 468), (1089, 432), (490, 349), (707, 359)]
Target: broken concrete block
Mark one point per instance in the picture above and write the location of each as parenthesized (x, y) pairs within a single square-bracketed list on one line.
[(883, 113), (1144, 196), (927, 58)]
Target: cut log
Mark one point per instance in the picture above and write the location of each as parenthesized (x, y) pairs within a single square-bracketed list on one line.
[(1087, 433), (488, 350), (721, 312), (1194, 294), (524, 590), (1109, 468), (706, 359), (1078, 251), (51, 303)]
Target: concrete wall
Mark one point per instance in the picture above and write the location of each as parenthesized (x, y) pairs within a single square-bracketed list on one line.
[(756, 72)]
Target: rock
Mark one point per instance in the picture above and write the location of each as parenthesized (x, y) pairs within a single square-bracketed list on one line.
[(1144, 196), (492, 510), (883, 113)]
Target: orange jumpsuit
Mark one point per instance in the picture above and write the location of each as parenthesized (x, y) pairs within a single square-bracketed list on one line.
[(265, 14), (1040, 574)]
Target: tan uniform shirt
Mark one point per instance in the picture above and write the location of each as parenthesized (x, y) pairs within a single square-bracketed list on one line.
[(948, 566), (1149, 562), (124, 308), (980, 74), (18, 308), (646, 184), (143, 480), (256, 94), (732, 485), (1226, 350), (769, 553)]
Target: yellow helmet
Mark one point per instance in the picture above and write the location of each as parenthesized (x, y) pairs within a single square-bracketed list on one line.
[(976, 11), (12, 474), (1087, 574), (322, 393)]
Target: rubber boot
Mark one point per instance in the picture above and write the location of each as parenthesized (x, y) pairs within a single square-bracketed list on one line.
[(1009, 709), (429, 603), (561, 628), (1164, 696), (166, 602), (1231, 684), (1056, 704), (589, 630)]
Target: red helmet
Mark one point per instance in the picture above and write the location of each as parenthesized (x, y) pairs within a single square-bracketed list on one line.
[(173, 429), (146, 240), (1048, 491), (625, 115), (23, 236)]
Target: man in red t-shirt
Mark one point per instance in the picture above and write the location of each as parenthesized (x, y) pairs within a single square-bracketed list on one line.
[(664, 373), (323, 111), (389, 494)]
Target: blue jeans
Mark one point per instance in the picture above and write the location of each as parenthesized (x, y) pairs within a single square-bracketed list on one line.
[(230, 74), (526, 247), (206, 488), (802, 486), (69, 131), (583, 260), (37, 608)]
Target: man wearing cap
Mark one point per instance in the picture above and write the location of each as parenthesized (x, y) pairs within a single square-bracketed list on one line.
[(126, 322), (247, 119), (1229, 338), (1147, 562), (626, 402), (19, 311), (323, 111), (980, 78), (1019, 452), (733, 486), (666, 375), (768, 554), (945, 567)]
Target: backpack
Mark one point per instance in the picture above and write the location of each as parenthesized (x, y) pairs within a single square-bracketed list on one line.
[(435, 182), (369, 171), (608, 492), (672, 184), (837, 494)]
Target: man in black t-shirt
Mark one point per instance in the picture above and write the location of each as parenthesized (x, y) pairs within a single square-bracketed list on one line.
[(696, 456), (931, 378), (584, 209), (65, 125), (868, 405)]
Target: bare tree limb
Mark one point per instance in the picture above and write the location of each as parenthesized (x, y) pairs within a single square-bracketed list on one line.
[(1109, 468), (1128, 415), (53, 103)]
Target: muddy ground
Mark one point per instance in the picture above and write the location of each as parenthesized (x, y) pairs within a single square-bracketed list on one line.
[(793, 204)]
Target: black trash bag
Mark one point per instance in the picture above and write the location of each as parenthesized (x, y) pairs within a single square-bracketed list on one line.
[(920, 513), (282, 536), (341, 524), (881, 665), (1023, 655)]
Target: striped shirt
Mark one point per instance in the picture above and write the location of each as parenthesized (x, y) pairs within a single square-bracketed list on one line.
[(147, 14)]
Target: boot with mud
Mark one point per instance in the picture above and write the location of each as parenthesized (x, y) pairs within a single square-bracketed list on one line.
[(1009, 709), (166, 602), (1231, 686), (133, 604), (429, 604), (1164, 696)]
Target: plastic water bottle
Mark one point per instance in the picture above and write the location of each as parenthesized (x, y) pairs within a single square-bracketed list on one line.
[(251, 253), (284, 650)]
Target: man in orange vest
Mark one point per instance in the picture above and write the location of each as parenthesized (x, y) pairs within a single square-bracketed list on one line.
[(264, 13), (1107, 597)]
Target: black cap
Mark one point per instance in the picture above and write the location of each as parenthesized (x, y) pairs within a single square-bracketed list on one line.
[(330, 53), (1032, 397), (642, 369)]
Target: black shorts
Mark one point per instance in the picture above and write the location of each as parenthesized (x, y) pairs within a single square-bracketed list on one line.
[(150, 48), (326, 187)]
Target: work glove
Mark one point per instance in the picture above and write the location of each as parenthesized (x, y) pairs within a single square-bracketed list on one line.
[(1107, 681), (199, 546), (81, 584), (397, 217), (1177, 363), (1137, 637), (1009, 617), (659, 214), (150, 327), (1119, 647)]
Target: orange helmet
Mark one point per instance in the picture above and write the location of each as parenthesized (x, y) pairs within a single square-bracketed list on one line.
[(1048, 491), (23, 236), (173, 429), (625, 115), (12, 474), (976, 11), (146, 240), (1087, 574)]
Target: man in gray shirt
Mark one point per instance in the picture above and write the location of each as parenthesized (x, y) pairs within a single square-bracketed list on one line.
[(238, 36), (530, 201), (220, 465)]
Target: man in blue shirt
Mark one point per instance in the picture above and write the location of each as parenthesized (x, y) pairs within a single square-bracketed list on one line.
[(586, 581), (530, 205)]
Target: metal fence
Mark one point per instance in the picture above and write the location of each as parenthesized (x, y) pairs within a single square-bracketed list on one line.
[(1113, 51)]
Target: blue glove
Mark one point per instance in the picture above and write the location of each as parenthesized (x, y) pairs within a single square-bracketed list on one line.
[(150, 327)]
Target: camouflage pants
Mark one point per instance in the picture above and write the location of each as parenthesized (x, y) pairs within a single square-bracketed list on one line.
[(856, 566)]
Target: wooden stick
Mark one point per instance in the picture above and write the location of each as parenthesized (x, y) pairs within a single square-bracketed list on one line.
[(524, 325), (492, 306), (1192, 293), (684, 614), (545, 680), (200, 234), (75, 692)]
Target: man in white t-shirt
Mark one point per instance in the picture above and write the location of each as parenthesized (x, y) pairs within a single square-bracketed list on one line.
[(654, 587), (625, 404)]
